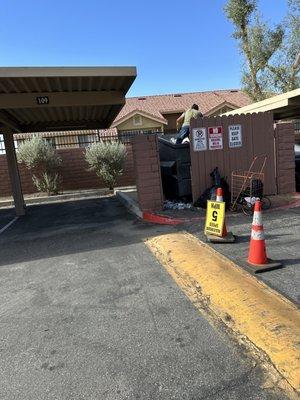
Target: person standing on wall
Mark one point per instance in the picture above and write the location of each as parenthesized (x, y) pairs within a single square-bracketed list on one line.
[(184, 120)]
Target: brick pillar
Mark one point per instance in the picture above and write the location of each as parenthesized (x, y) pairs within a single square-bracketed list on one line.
[(285, 157), (147, 172)]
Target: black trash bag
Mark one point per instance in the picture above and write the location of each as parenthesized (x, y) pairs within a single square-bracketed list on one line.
[(257, 188), (215, 175), (243, 194), (208, 194), (226, 192), (202, 201), (211, 193)]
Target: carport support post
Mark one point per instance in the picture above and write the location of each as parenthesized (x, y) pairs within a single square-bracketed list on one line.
[(14, 172)]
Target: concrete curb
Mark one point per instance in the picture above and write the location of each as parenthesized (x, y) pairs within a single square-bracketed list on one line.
[(67, 196), (91, 194), (129, 203), (247, 306), (148, 216), (159, 219)]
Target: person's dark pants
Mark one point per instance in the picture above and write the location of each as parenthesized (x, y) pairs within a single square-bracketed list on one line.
[(183, 133)]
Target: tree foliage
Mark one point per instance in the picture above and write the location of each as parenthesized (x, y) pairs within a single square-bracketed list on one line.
[(107, 160), (269, 53), (282, 75), (41, 158)]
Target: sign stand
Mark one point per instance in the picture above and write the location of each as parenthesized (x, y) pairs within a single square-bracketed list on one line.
[(229, 238), (215, 230)]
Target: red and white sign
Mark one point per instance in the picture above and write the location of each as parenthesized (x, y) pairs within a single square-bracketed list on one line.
[(215, 137)]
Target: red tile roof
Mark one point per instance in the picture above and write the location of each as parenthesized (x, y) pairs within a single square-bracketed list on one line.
[(162, 104)]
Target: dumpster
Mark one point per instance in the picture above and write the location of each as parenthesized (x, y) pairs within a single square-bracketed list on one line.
[(175, 163)]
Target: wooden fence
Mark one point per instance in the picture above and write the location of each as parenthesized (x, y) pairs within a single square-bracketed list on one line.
[(219, 147)]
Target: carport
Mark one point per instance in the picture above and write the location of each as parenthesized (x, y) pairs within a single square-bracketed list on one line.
[(39, 99), (284, 106)]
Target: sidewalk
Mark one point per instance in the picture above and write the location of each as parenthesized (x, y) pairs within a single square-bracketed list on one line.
[(67, 195)]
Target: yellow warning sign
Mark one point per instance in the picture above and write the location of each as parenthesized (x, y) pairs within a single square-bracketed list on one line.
[(215, 217)]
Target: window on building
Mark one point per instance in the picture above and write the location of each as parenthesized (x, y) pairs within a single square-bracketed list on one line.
[(18, 143), (83, 140), (2, 146), (126, 136), (87, 140), (50, 140)]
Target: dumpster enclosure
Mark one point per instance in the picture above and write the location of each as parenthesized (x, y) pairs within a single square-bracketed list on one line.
[(254, 134), (166, 170), (175, 165)]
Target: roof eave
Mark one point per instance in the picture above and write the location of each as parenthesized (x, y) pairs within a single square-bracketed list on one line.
[(35, 72), (270, 104), (223, 104), (140, 112)]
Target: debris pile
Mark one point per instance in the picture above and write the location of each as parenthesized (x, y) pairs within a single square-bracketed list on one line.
[(176, 205)]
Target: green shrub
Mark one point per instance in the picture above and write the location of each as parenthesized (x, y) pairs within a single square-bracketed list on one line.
[(41, 158), (107, 160), (50, 183)]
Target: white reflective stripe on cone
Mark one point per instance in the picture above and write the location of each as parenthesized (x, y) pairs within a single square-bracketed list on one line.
[(257, 218), (257, 235), (219, 198)]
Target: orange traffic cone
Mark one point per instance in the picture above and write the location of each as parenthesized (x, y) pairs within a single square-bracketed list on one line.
[(219, 197), (257, 252)]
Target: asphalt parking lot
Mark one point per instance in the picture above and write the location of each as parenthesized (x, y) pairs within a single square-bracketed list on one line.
[(86, 312), (282, 241), (6, 216)]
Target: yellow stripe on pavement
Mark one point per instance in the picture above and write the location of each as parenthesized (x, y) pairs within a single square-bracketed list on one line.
[(248, 306)]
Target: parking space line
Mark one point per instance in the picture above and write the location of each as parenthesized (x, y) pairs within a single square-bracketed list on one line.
[(8, 225)]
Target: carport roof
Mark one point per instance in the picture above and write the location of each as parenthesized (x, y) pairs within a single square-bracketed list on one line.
[(37, 99), (284, 106)]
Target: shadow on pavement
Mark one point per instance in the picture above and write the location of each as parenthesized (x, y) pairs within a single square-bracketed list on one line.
[(68, 228), (287, 262), (6, 215)]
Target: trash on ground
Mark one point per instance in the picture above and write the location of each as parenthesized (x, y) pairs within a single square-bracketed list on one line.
[(251, 200), (176, 205)]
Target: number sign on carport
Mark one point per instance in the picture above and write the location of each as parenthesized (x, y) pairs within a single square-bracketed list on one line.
[(256, 134), (43, 99)]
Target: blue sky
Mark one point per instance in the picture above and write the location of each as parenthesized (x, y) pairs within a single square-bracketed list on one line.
[(177, 46)]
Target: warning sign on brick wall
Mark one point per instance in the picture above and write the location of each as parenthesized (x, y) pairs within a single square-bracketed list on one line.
[(215, 138)]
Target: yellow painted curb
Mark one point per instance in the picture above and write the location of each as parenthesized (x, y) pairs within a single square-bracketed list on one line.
[(268, 320)]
